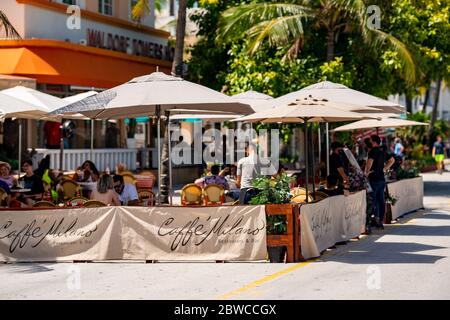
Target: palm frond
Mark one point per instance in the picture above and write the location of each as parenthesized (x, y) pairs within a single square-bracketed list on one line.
[(10, 31), (236, 21), (141, 9), (279, 32), (377, 37)]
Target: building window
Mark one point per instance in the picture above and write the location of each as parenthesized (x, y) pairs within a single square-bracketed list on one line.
[(71, 2), (105, 7)]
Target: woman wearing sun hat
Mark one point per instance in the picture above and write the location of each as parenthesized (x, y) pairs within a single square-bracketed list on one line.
[(5, 175)]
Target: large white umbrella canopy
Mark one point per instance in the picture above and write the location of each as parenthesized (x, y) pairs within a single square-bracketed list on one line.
[(335, 92), (142, 96), (79, 96), (11, 107), (34, 97), (253, 98), (383, 123), (308, 109), (256, 100)]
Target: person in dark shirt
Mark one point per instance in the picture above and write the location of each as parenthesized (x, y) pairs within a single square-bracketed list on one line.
[(337, 164), (375, 169), (332, 188), (31, 181), (438, 154)]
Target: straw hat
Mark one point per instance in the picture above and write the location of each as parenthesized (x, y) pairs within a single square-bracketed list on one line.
[(6, 164)]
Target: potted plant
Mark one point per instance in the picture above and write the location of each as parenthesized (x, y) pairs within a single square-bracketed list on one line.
[(274, 192)]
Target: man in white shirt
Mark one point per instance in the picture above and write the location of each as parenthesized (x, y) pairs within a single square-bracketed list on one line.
[(248, 169), (127, 192)]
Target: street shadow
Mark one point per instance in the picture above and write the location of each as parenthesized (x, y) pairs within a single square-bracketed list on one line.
[(415, 230), (29, 268), (387, 253), (436, 215), (436, 188)]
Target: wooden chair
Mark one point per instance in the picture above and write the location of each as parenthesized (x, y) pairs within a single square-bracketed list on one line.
[(70, 189), (44, 204), (77, 202), (3, 197), (191, 194), (128, 177), (146, 180), (301, 198), (213, 194), (148, 195), (94, 204), (320, 195)]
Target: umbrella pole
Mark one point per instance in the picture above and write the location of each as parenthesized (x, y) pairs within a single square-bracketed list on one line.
[(170, 159), (158, 116), (327, 139), (20, 147), (312, 165), (319, 138), (61, 148), (92, 139), (305, 125)]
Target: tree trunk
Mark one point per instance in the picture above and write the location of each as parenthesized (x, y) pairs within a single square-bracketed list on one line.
[(165, 162), (425, 103), (330, 45), (434, 114), (408, 103), (179, 45)]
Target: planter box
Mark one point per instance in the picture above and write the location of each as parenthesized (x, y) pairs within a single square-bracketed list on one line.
[(291, 239)]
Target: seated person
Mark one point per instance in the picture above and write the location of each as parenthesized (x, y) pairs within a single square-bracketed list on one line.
[(332, 188), (30, 181), (214, 178), (127, 192), (87, 172), (5, 174), (4, 201), (105, 192)]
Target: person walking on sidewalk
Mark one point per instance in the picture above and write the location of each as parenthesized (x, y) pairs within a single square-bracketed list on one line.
[(438, 154), (376, 166)]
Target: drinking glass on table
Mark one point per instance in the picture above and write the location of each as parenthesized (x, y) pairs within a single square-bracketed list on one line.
[(21, 184)]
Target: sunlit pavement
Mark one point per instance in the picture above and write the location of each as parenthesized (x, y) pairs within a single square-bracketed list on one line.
[(408, 260)]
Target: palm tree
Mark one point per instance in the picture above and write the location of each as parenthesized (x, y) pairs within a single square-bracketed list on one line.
[(142, 8), (282, 24), (5, 24)]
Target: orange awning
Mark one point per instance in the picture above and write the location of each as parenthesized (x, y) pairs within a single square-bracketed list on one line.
[(58, 62)]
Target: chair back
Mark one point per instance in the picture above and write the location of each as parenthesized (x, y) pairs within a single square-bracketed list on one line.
[(70, 189), (94, 204), (146, 195), (146, 180), (44, 204), (301, 198), (77, 202), (128, 177), (3, 197), (191, 194), (213, 194), (320, 195)]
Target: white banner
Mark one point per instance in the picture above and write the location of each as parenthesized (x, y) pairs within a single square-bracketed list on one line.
[(113, 233), (332, 220), (409, 194)]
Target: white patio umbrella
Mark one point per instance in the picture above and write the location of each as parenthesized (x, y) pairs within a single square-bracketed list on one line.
[(26, 103), (382, 123), (79, 97), (337, 92), (305, 110), (150, 95)]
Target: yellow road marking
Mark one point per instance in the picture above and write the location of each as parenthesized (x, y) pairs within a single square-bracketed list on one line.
[(264, 280)]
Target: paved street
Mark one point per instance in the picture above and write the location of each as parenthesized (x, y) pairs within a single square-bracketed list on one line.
[(408, 260)]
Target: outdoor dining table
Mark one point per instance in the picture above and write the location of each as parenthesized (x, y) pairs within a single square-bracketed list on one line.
[(21, 190)]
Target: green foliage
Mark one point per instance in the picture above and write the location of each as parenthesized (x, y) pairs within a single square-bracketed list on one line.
[(271, 190), (276, 224)]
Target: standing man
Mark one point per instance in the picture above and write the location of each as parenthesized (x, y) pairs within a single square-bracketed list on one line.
[(337, 167), (439, 154), (375, 169), (52, 135), (248, 169), (399, 148)]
